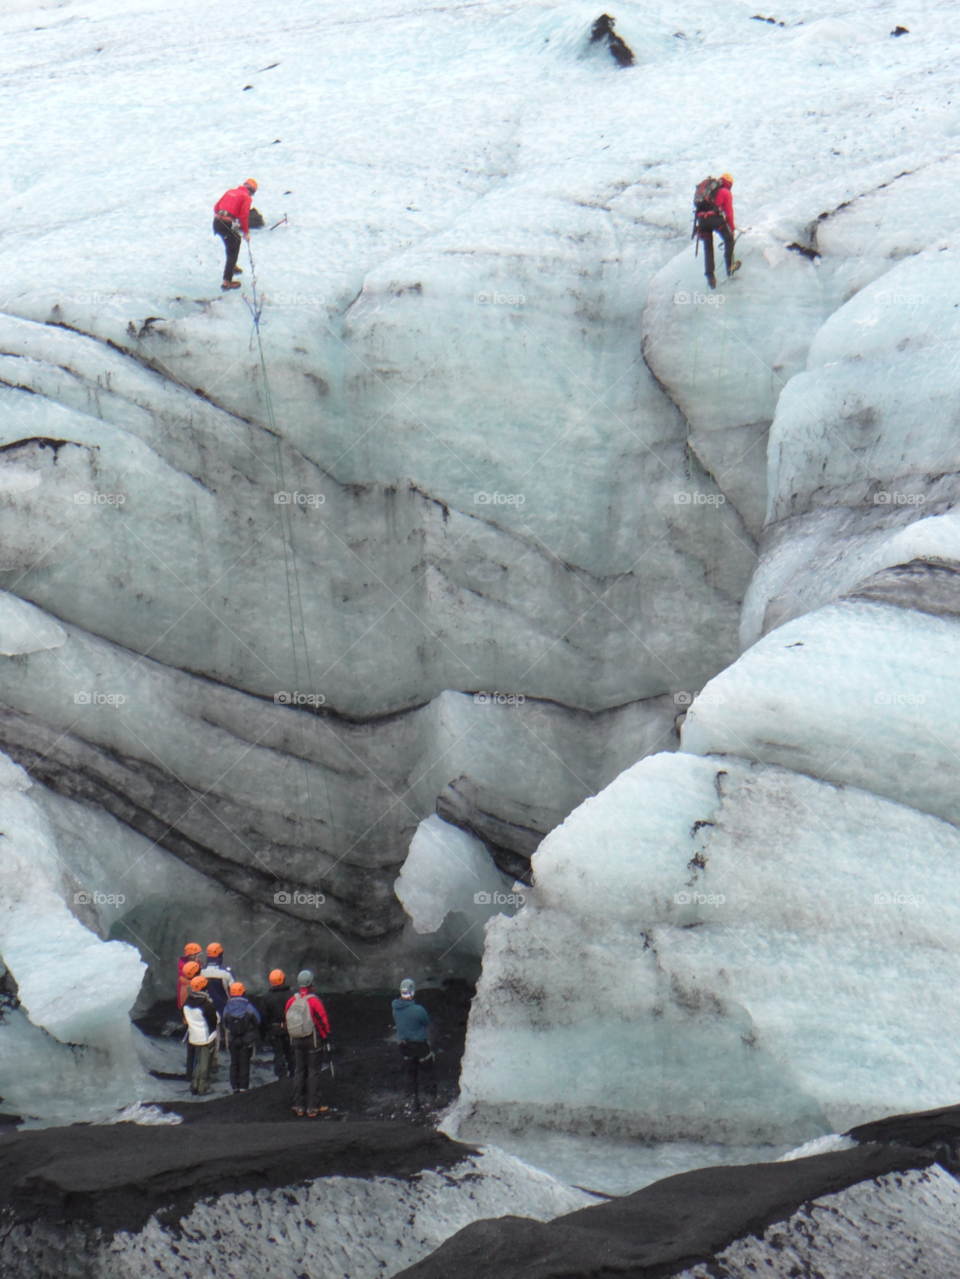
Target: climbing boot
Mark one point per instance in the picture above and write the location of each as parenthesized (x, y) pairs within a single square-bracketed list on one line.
[(230, 284)]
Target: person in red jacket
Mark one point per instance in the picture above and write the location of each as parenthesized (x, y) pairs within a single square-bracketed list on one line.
[(309, 1029), (720, 219), (231, 220)]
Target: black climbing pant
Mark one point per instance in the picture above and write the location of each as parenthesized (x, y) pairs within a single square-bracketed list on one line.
[(307, 1064), (231, 242), (282, 1051), (419, 1059), (240, 1055), (191, 1060), (705, 228)]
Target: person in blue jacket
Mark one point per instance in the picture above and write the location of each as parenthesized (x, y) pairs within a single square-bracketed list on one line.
[(242, 1022), (412, 1022)]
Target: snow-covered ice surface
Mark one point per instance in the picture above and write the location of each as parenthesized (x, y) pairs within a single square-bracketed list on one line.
[(894, 1225), (366, 1229)]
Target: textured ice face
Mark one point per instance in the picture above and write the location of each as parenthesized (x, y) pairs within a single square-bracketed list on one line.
[(719, 950)]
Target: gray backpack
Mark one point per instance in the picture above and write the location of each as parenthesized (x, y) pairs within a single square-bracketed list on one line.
[(299, 1019)]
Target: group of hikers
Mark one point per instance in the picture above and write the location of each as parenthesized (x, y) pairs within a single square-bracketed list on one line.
[(218, 1014), (712, 207)]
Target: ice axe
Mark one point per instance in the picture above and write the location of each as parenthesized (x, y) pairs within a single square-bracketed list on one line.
[(276, 224)]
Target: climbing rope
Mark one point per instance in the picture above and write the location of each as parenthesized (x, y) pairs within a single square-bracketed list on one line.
[(291, 569)]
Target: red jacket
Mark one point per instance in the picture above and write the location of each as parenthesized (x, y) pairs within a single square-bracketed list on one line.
[(317, 1011), (724, 202), (236, 204)]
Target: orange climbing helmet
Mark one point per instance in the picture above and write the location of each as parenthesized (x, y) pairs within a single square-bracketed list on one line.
[(238, 988), (190, 970), (198, 984), (192, 948), (277, 977), (251, 185), (214, 950)]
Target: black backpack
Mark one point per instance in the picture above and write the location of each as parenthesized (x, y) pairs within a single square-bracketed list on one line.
[(704, 198)]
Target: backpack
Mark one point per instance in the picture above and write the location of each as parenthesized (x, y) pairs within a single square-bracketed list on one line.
[(299, 1018), (704, 198)]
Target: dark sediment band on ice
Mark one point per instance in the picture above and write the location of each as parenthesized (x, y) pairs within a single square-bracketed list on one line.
[(937, 1132), (662, 1229), (113, 1177)]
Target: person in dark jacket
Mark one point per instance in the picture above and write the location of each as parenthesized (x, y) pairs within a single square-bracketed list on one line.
[(275, 1026), (203, 1027), (413, 1022), (231, 220), (242, 1022), (309, 1032), (720, 219)]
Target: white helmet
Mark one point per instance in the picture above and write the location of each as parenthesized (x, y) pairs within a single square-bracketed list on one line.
[(408, 988)]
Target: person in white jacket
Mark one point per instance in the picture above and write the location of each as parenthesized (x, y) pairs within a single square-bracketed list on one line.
[(203, 1027)]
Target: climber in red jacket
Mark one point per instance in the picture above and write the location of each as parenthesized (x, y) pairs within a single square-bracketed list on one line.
[(713, 206), (231, 220)]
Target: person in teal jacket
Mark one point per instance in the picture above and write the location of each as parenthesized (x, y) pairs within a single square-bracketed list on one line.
[(412, 1022)]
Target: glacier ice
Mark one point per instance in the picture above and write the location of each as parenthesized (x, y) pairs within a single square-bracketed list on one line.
[(332, 1225), (724, 950), (459, 314)]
